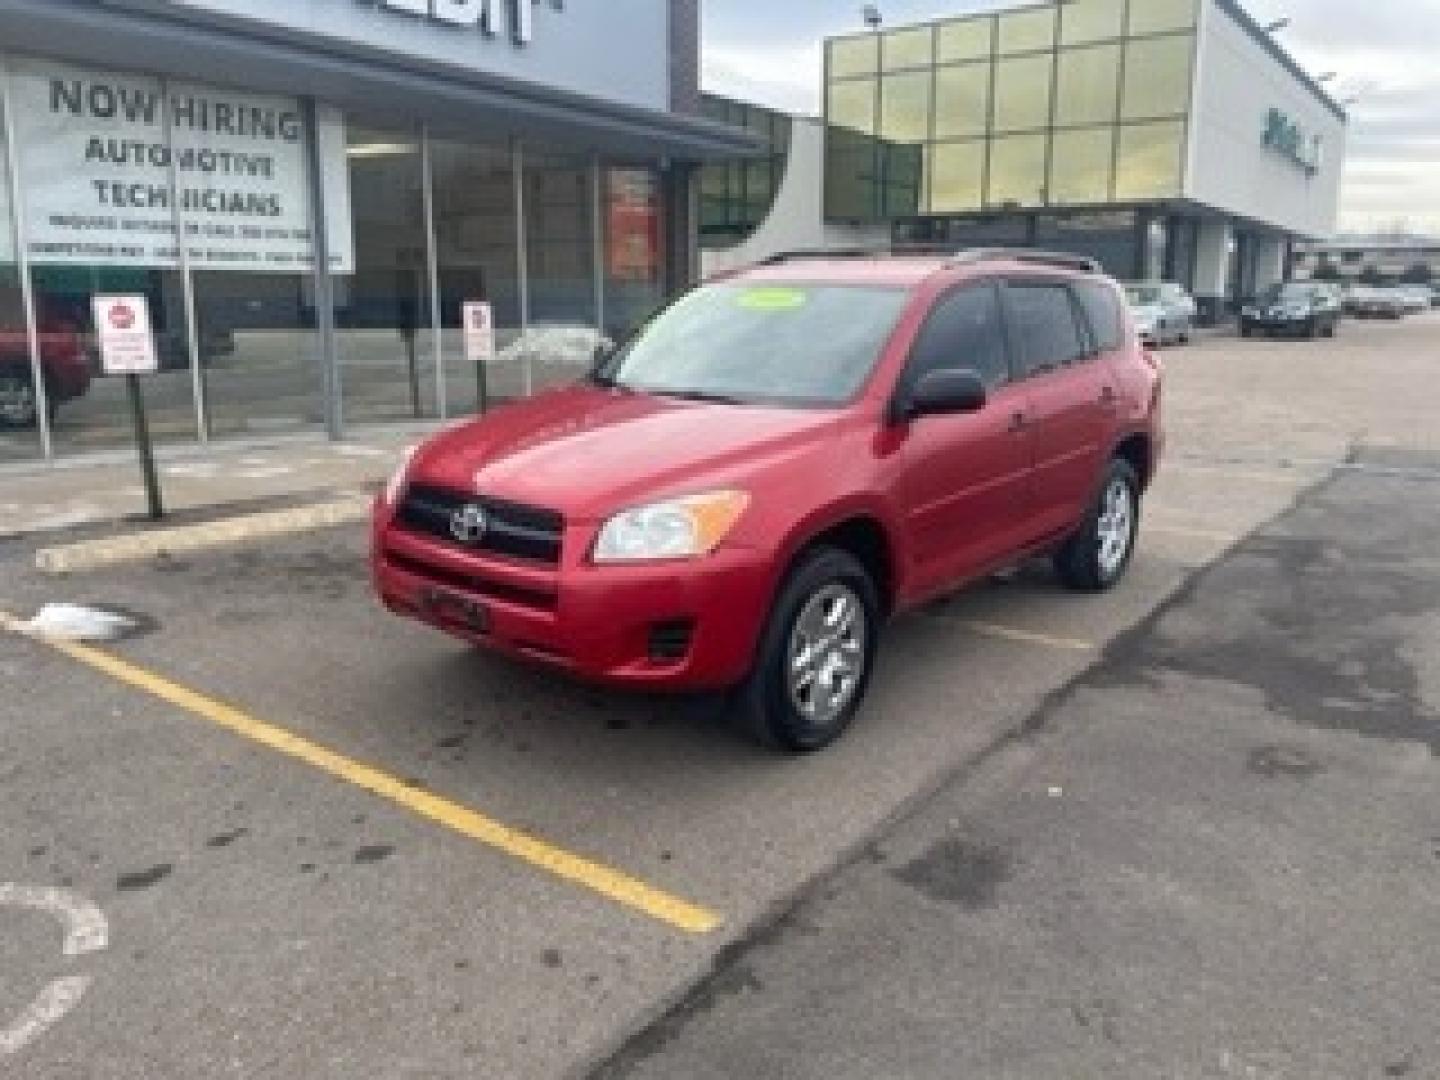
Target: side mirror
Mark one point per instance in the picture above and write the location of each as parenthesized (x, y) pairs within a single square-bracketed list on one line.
[(944, 393)]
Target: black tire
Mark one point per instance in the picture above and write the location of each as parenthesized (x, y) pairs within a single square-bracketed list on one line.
[(21, 386), (1082, 562), (764, 703)]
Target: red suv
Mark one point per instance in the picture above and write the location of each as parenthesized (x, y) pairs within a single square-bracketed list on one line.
[(783, 458)]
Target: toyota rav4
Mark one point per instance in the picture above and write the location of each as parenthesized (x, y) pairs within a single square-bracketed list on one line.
[(739, 497)]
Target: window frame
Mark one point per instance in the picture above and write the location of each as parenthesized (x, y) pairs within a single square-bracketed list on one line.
[(906, 380), (1097, 346)]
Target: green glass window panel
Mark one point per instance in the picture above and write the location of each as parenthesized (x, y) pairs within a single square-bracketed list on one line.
[(1160, 16), (1022, 93), (962, 101), (968, 39), (1157, 77), (1149, 161), (1088, 82), (852, 105), (908, 48), (1017, 170), (854, 56), (1084, 21), (1027, 31), (904, 187), (713, 180), (957, 177), (1080, 165), (905, 107), (851, 182)]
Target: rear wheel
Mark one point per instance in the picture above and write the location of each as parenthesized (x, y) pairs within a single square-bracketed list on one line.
[(816, 654), (18, 405), (1097, 555)]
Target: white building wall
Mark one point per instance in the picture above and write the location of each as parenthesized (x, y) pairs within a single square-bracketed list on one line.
[(797, 220), (1238, 82)]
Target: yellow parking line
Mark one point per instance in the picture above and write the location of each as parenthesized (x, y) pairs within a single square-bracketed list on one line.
[(613, 884), (1010, 633)]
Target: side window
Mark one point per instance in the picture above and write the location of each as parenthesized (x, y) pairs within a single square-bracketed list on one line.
[(1102, 312), (1044, 327), (963, 331)]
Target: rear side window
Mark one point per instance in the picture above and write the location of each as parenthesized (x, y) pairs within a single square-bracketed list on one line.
[(1044, 327), (1102, 312), (964, 331)]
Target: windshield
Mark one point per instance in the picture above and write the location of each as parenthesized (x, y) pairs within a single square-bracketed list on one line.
[(1143, 295), (809, 345), (1289, 294)]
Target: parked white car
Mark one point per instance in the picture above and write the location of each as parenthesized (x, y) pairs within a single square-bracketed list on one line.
[(1164, 312)]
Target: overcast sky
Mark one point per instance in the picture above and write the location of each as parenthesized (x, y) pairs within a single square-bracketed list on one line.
[(1388, 51)]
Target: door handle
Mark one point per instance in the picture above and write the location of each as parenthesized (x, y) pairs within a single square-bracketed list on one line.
[(1108, 397), (1018, 422)]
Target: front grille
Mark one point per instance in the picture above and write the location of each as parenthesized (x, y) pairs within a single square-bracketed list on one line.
[(539, 599), (512, 530)]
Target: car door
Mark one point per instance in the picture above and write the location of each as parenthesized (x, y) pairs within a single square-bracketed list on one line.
[(963, 480), (1071, 397)]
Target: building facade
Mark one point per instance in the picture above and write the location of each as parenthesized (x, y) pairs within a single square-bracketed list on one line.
[(308, 192), (1384, 260), (1171, 138)]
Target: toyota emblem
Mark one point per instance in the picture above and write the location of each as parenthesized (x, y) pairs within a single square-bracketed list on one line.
[(469, 524)]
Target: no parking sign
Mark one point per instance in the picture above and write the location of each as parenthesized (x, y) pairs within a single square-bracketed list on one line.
[(123, 331)]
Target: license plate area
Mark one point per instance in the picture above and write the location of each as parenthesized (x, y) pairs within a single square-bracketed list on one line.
[(449, 608)]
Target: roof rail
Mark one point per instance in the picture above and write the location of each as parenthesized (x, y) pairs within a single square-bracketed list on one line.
[(1059, 259), (824, 253)]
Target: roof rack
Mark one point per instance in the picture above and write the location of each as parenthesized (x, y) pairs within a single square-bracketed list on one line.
[(1061, 260)]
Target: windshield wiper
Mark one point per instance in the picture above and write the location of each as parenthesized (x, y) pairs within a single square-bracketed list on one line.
[(700, 395)]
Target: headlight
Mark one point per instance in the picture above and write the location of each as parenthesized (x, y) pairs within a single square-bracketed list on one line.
[(395, 486), (678, 529)]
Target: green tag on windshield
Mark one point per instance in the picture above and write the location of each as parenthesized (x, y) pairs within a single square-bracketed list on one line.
[(773, 299)]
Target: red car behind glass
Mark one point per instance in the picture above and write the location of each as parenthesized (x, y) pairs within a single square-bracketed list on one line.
[(64, 360), (782, 459)]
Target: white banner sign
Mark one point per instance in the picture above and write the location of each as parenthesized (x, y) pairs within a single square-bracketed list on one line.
[(122, 328), (97, 153), (479, 332)]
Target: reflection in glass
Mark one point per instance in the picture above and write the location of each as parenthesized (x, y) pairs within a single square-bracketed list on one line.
[(560, 257), (1027, 31), (957, 177), (1149, 161), (852, 105), (1080, 165), (382, 310), (851, 177), (1083, 21), (1017, 170), (19, 407), (854, 56), (905, 107), (966, 39), (634, 248), (904, 190), (962, 101), (476, 239), (908, 48), (1157, 77), (1022, 93), (1159, 16), (1088, 84)]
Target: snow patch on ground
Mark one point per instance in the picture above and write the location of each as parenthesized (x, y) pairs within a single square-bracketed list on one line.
[(74, 622)]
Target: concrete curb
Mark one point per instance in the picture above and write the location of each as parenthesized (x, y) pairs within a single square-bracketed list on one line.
[(136, 547)]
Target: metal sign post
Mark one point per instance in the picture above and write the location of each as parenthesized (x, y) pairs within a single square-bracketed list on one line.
[(127, 347)]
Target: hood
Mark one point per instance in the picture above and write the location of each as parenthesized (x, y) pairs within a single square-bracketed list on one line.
[(1147, 314), (587, 451)]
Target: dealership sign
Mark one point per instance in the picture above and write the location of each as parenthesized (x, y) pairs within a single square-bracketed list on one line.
[(1291, 141), (481, 14), (108, 163)]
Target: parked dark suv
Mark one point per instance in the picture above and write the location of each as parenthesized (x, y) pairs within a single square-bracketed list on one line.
[(1297, 308), (782, 459)]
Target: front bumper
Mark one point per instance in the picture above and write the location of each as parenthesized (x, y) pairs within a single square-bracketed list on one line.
[(598, 623)]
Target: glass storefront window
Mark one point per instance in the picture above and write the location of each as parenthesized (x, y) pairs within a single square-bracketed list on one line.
[(904, 192), (1161, 16), (962, 101), (1149, 161), (966, 39), (19, 422), (908, 48), (1087, 87), (957, 177), (1017, 170), (905, 107), (634, 248), (854, 56), (851, 105), (1022, 93), (1027, 31), (851, 176), (1157, 77), (383, 309), (477, 255), (560, 259), (1084, 21), (1080, 165)]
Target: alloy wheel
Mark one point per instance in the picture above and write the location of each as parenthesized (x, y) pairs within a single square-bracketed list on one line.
[(1116, 526), (825, 663)]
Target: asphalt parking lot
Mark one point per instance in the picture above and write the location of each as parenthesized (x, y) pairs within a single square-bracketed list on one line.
[(327, 843)]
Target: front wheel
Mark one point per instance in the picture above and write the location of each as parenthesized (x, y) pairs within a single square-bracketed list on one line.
[(1097, 555), (816, 654)]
